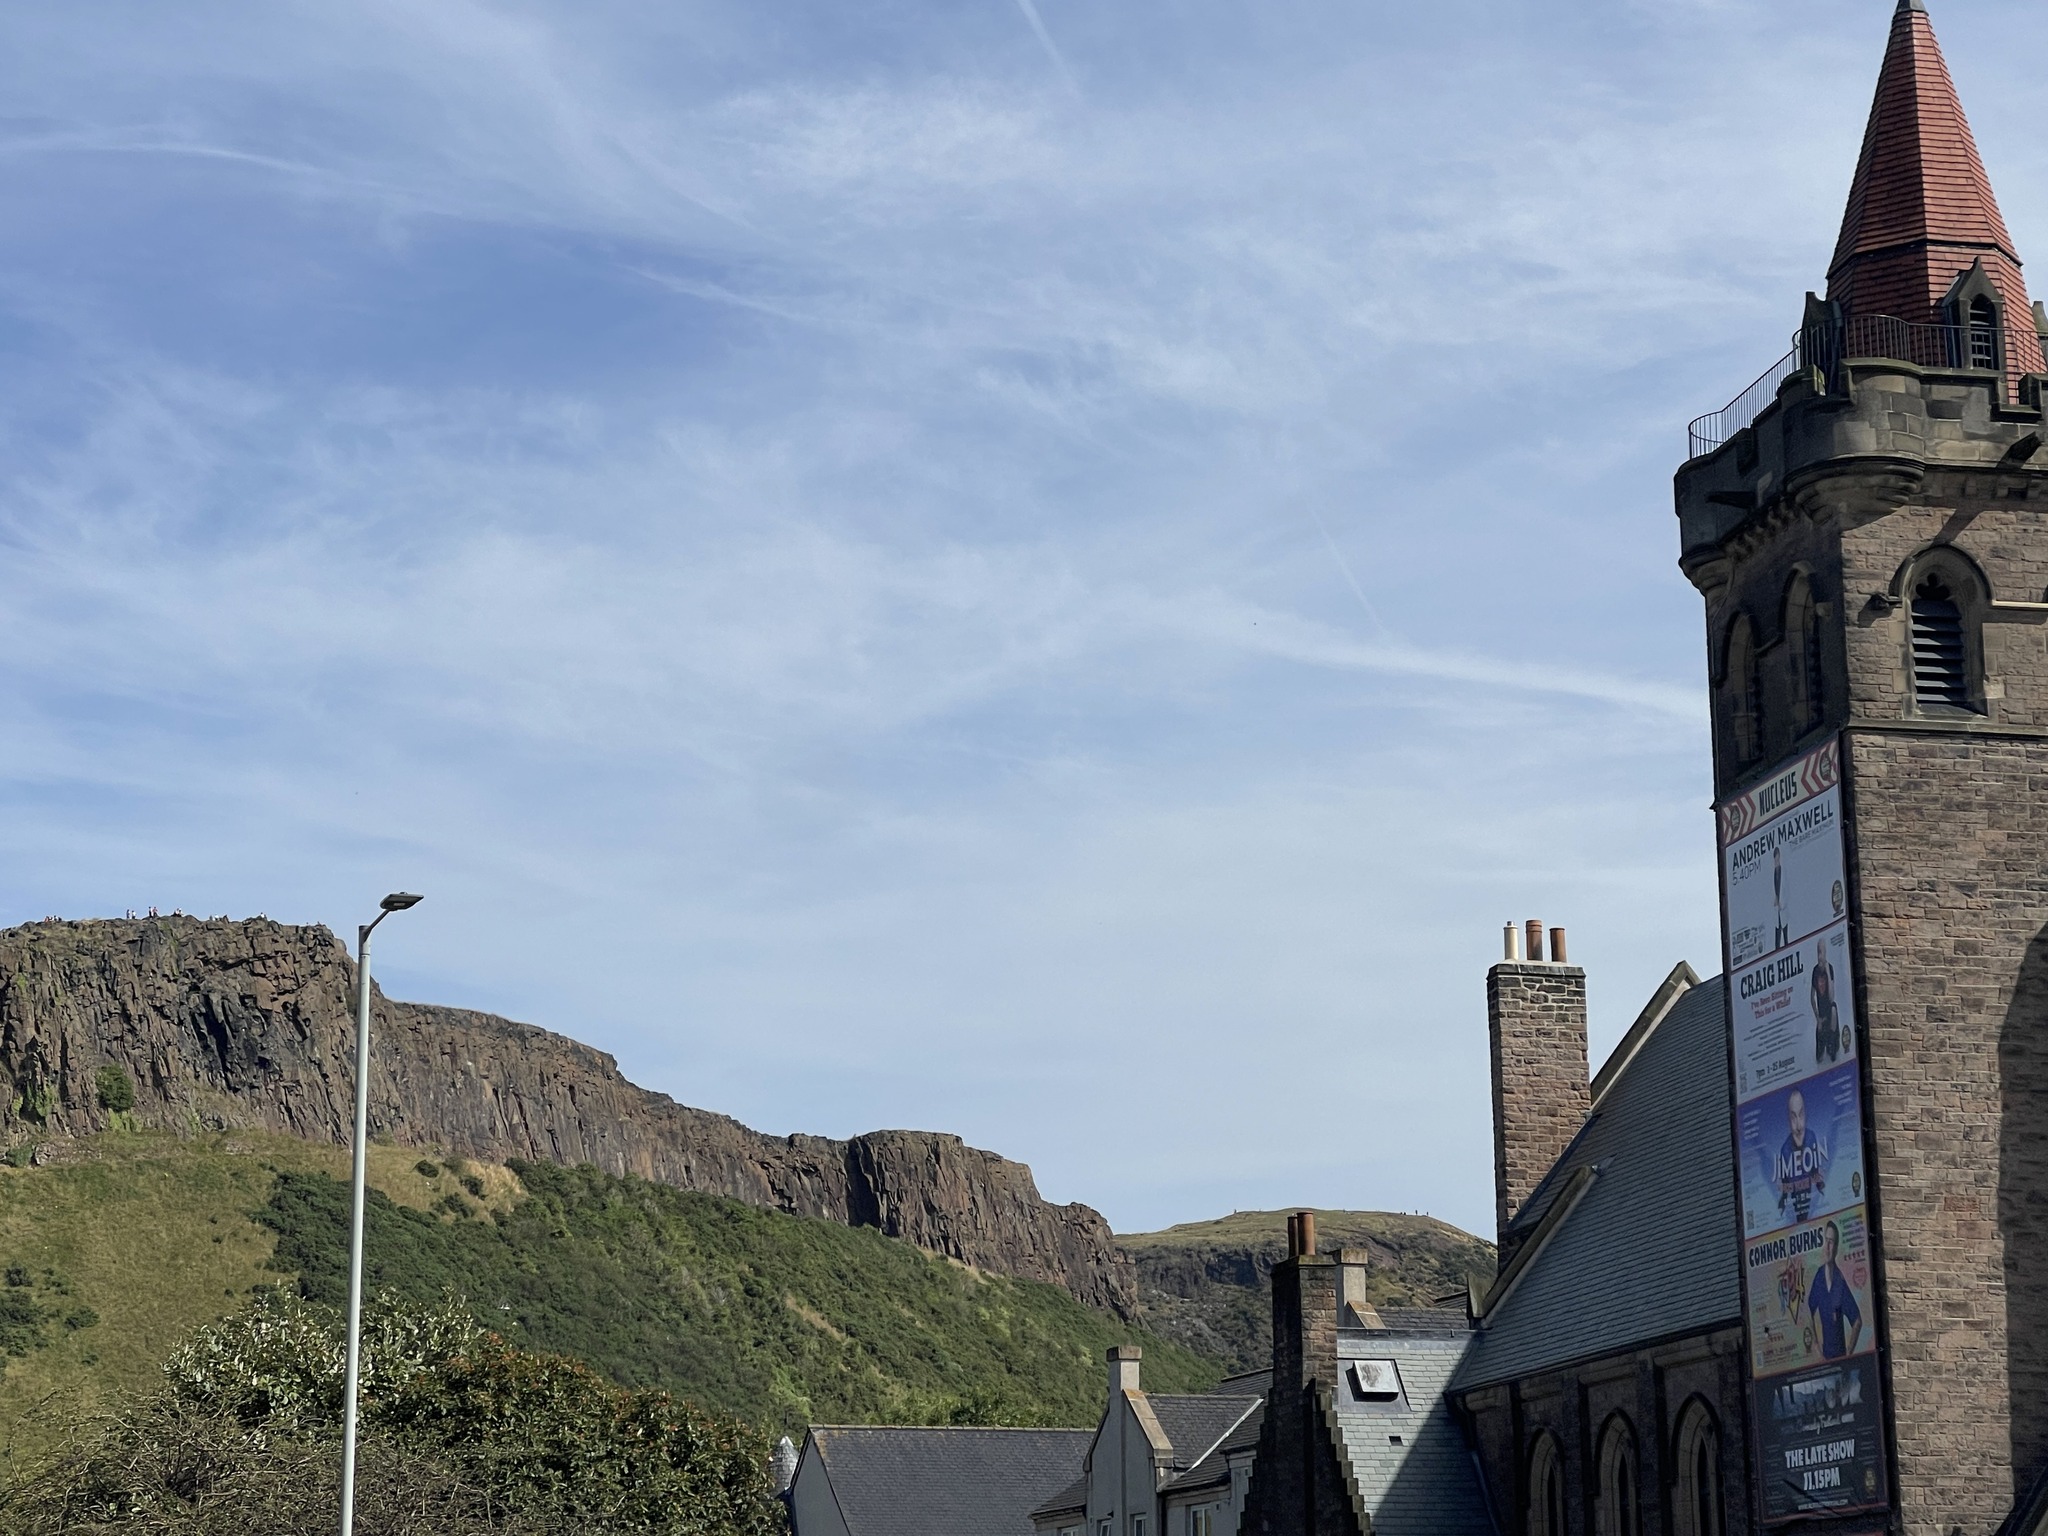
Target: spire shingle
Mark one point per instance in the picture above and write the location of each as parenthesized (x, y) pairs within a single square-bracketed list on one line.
[(1921, 210)]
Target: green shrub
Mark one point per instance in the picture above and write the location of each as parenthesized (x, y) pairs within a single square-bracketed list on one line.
[(116, 1089), (427, 1170), (463, 1435), (473, 1184)]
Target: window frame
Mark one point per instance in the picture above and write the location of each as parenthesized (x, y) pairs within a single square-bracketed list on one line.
[(1972, 596), (1544, 1510), (1742, 695), (1618, 1494), (1698, 1508), (1806, 661)]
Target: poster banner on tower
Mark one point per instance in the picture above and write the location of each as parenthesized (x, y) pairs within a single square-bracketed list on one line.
[(1781, 858), (1802, 1151), (1808, 1289), (1794, 1015), (1798, 1143), (1820, 1442)]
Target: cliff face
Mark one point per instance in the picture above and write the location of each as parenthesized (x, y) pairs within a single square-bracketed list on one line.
[(1209, 1284), (223, 1025)]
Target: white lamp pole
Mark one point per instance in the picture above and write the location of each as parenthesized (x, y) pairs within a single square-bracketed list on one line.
[(397, 901)]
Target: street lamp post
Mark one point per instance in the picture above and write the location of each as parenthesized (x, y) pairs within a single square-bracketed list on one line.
[(397, 901)]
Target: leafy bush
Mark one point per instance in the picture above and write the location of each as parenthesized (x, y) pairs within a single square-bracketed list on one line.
[(116, 1090), (463, 1435), (426, 1169)]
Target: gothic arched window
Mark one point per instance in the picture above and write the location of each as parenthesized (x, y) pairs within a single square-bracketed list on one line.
[(1741, 694), (1697, 1503), (1802, 631), (1941, 650), (1546, 1490), (1618, 1510)]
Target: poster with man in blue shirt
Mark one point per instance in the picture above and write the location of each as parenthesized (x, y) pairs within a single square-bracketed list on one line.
[(1832, 1302)]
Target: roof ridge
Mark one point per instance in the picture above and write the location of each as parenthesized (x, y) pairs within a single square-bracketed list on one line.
[(1683, 979)]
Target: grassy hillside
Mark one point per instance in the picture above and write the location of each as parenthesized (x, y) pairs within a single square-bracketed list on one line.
[(133, 1240), (1207, 1284)]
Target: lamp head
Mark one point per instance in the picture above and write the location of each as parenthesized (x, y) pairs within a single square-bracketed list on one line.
[(398, 901)]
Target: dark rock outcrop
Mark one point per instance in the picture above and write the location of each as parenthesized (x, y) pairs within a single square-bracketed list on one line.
[(227, 1025), (1209, 1284)]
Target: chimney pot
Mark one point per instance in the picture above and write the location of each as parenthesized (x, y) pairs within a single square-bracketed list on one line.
[(1510, 943), (1535, 941), (1557, 946), (1307, 1221)]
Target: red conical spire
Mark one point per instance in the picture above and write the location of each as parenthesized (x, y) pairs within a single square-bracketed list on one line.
[(1921, 210)]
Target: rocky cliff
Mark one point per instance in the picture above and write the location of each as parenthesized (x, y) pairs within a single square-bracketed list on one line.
[(1209, 1284), (223, 1025)]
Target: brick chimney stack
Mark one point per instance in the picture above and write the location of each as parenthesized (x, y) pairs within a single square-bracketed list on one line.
[(1536, 1027), (1297, 1488)]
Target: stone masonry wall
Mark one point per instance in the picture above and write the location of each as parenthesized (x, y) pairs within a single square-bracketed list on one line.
[(1951, 857), (222, 1025), (1948, 849), (1651, 1388), (1536, 1033)]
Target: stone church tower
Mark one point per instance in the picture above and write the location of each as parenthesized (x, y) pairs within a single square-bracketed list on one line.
[(1869, 530)]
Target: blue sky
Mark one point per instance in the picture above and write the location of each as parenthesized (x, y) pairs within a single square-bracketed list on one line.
[(1049, 569)]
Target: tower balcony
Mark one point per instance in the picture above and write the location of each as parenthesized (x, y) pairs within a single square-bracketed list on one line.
[(1829, 352), (1872, 406)]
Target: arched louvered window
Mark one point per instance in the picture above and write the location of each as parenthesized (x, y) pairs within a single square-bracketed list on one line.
[(1741, 693), (1697, 1504), (1941, 651), (1546, 1490), (1619, 1509), (1802, 630), (1983, 333)]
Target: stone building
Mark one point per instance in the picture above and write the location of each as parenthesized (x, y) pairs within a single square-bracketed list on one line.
[(1871, 549), (1784, 1260), (1604, 1387)]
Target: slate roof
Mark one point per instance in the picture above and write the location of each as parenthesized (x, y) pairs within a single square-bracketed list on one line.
[(1195, 1425), (1070, 1500), (946, 1482), (1425, 1320), (1215, 1466), (1652, 1247), (1413, 1466)]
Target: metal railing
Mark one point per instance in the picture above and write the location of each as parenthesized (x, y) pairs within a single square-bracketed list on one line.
[(1873, 338), (1708, 432)]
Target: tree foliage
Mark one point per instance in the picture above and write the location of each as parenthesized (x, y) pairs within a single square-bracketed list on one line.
[(462, 1435)]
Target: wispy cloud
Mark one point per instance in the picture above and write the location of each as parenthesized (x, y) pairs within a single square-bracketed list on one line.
[(925, 585), (1037, 22)]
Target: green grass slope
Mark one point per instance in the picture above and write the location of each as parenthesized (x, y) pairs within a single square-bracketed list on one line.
[(132, 1240), (1207, 1284)]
